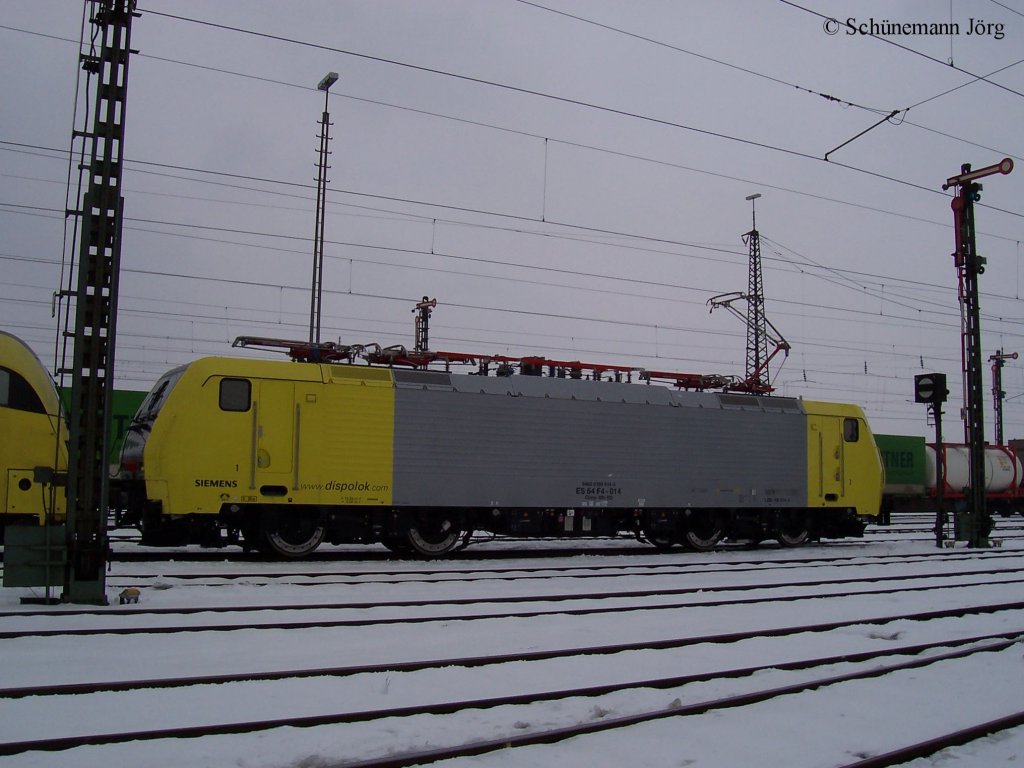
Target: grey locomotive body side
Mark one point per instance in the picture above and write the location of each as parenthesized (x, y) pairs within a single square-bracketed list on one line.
[(529, 442)]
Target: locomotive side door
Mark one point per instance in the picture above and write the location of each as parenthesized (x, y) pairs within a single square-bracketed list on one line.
[(831, 480), (273, 436)]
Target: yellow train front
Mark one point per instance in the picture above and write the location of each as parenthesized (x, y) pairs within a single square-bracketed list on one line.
[(33, 439), (281, 456)]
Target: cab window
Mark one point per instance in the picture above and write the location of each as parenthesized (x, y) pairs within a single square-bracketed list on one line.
[(155, 400), (851, 430), (17, 393), (235, 394)]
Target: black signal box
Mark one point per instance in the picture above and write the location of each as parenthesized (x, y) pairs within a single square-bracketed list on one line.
[(930, 388)]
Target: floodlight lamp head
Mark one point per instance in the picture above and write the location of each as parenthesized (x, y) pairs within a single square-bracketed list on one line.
[(753, 213), (329, 79)]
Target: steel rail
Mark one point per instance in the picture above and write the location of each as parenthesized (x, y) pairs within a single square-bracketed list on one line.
[(700, 566), (931, 746), (512, 599), (495, 659), (530, 614), (560, 734), (549, 736), (352, 578), (609, 549)]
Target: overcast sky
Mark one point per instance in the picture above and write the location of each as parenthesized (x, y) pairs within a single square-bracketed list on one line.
[(567, 179)]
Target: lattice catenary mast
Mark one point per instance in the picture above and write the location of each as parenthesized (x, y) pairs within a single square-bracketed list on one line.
[(99, 264), (759, 330)]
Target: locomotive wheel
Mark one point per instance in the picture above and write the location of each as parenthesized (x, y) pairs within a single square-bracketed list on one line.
[(792, 531), (433, 537), (793, 536), (292, 536), (704, 533)]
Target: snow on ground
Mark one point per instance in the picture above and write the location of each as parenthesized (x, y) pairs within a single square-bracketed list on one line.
[(826, 727)]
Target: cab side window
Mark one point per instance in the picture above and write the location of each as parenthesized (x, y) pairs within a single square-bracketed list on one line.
[(17, 393), (235, 394), (851, 430)]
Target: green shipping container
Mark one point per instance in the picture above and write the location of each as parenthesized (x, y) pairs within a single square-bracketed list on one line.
[(903, 460)]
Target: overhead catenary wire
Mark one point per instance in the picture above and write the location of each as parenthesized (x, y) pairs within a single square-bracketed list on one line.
[(908, 49), (569, 143), (703, 57), (578, 273), (1006, 7), (297, 324), (563, 99), (964, 85), (7, 145), (674, 243), (509, 226), (275, 37), (434, 218), (253, 283), (765, 76)]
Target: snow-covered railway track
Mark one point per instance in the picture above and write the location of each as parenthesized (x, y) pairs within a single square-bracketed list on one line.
[(867, 664), (519, 656), (676, 709), (433, 670), (112, 622), (950, 739), (440, 572)]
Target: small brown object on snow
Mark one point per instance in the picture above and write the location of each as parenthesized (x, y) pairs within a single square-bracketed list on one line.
[(128, 595)]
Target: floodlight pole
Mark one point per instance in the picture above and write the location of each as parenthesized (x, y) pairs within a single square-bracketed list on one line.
[(970, 265), (316, 292)]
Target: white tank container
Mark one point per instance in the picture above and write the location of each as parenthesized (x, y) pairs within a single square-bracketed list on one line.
[(1003, 470)]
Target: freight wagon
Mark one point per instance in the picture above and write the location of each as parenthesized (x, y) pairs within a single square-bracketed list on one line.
[(911, 476), (281, 456)]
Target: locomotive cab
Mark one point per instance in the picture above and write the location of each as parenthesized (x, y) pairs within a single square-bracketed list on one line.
[(32, 465), (128, 489)]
